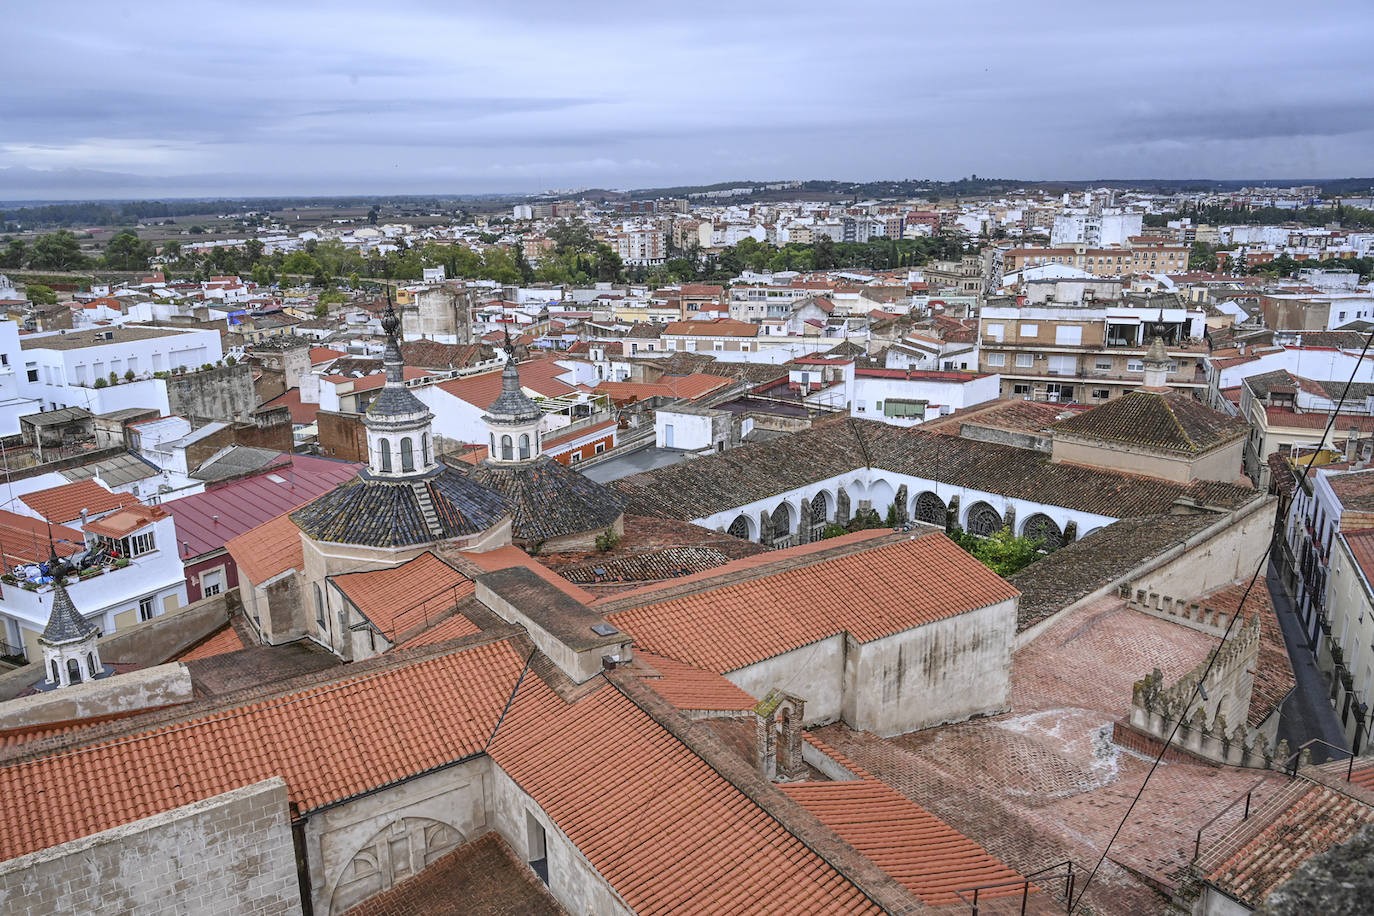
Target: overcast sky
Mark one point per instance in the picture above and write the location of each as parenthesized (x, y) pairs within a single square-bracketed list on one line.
[(149, 99)]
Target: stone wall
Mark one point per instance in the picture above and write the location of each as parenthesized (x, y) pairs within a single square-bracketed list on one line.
[(229, 854), (146, 688), (816, 673), (367, 845), (1186, 613), (151, 642), (944, 671), (1212, 722), (222, 393)]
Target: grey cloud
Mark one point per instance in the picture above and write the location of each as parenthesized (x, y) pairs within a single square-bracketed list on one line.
[(431, 96)]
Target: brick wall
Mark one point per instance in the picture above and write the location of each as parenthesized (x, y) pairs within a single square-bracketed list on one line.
[(342, 435), (229, 854)]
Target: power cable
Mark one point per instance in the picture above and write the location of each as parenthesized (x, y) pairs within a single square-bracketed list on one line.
[(1264, 559)]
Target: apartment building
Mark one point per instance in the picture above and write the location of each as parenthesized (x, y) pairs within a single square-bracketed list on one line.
[(1351, 652), (1141, 255), (73, 369), (1286, 411), (641, 247), (967, 276), (1089, 351)]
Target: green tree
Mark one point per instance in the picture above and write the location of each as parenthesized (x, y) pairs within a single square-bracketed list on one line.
[(252, 251), (608, 265), (14, 254), (572, 235), (498, 265), (171, 250), (1003, 552), (41, 295), (823, 253), (372, 216), (262, 274), (126, 251), (301, 264), (57, 251), (1202, 257)]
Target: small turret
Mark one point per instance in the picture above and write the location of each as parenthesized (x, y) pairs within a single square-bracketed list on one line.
[(513, 421), (1158, 365), (69, 641), (399, 443)]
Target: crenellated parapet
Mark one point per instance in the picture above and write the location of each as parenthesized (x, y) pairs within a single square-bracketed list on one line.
[(1204, 717)]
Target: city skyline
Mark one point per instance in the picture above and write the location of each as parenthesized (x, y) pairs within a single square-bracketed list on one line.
[(264, 100)]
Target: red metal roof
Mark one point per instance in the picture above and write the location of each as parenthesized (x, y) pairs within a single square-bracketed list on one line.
[(206, 521)]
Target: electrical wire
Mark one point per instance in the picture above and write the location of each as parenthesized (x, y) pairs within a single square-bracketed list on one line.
[(1264, 559)]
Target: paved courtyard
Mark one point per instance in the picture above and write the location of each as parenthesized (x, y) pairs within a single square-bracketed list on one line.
[(1044, 783)]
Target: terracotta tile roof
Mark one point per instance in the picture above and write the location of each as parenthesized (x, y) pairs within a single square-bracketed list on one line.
[(702, 487), (669, 833), (24, 539), (697, 385), (224, 640), (63, 504), (511, 556), (330, 741), (538, 375), (1262, 852), (927, 856), (870, 584), (551, 442), (267, 550), (431, 354), (652, 566), (1363, 775), (691, 688), (127, 520), (300, 411), (1173, 422), (449, 628), (397, 599), (716, 327), (324, 354)]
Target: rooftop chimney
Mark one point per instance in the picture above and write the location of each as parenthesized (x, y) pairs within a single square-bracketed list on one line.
[(1351, 443)]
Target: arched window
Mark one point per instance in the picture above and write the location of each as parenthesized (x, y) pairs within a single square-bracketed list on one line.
[(492, 452), (424, 449), (56, 673), (983, 520), (320, 616), (1040, 527), (73, 671), (930, 508), (507, 449), (739, 528), (524, 446), (386, 454), (90, 663), (407, 455)]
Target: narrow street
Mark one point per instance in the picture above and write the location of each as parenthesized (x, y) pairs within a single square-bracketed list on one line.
[(1307, 713)]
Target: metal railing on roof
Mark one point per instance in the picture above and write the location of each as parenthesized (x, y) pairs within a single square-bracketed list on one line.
[(1050, 873)]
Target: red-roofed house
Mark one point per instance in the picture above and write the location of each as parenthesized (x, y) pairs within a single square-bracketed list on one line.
[(131, 574), (64, 505)]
